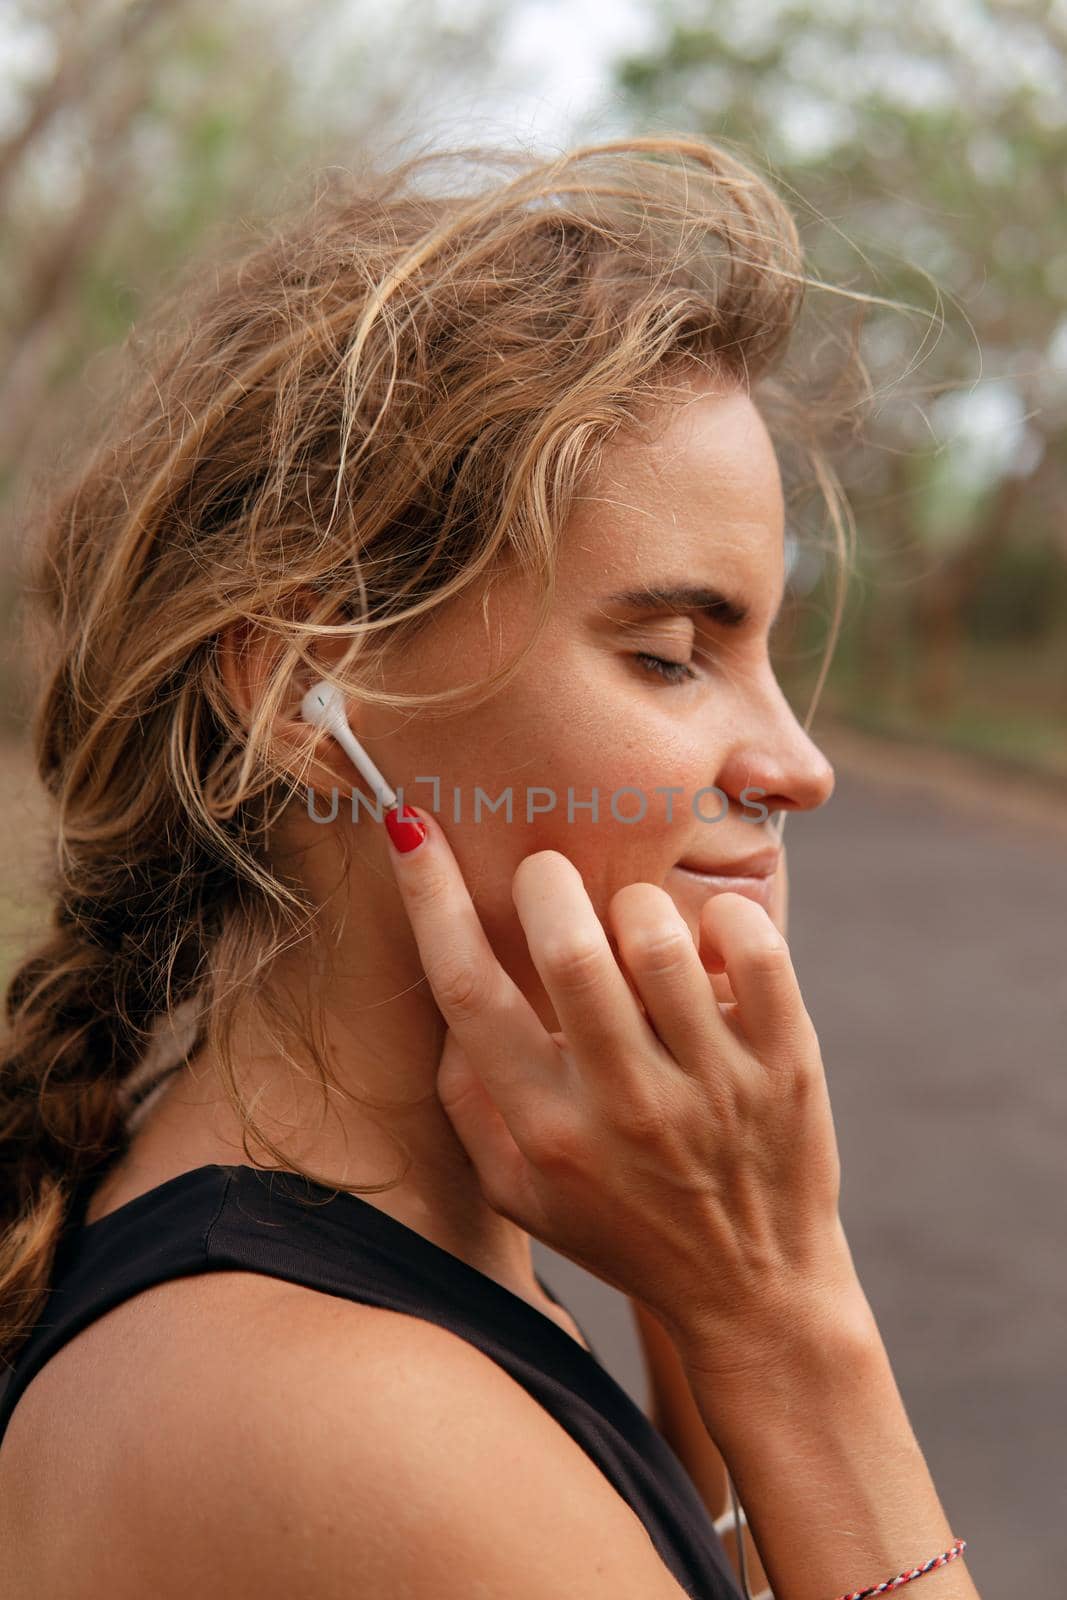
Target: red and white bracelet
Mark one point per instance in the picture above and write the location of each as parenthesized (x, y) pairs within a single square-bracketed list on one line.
[(735, 1520), (910, 1573)]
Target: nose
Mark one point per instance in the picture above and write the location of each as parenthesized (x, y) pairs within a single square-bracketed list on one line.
[(773, 753)]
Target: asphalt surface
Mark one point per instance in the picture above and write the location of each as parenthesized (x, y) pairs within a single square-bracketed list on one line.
[(928, 925)]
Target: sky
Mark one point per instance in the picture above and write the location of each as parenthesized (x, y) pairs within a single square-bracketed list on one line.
[(564, 48), (553, 65), (548, 82)]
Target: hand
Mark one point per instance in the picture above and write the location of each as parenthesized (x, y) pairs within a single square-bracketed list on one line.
[(684, 1152)]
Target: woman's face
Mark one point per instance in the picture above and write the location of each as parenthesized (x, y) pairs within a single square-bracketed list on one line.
[(591, 710)]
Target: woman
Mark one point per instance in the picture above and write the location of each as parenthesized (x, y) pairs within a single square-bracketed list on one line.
[(493, 466)]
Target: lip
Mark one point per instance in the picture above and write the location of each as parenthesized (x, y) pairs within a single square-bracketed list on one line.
[(753, 887), (761, 864), (751, 876)]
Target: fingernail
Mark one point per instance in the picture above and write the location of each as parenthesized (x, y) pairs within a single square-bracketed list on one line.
[(404, 828)]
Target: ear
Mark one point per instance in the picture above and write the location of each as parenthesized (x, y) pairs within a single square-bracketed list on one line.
[(248, 656)]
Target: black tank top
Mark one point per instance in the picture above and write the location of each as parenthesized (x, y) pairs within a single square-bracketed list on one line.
[(221, 1218)]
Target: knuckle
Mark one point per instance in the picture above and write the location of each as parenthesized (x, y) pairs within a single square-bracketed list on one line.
[(808, 1070), (574, 963), (799, 1068), (643, 1115), (557, 1143), (769, 957), (656, 947), (461, 987)]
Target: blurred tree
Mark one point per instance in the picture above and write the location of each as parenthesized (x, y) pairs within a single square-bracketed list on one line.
[(129, 130), (932, 139)]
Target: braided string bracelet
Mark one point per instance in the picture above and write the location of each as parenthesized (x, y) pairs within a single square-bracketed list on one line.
[(735, 1520), (909, 1573)]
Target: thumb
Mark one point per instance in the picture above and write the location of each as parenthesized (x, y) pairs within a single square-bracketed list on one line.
[(479, 1125)]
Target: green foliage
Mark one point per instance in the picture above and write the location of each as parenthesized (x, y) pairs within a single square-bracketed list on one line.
[(924, 160), (1021, 597)]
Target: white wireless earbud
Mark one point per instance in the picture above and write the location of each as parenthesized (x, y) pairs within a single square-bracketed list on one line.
[(323, 706)]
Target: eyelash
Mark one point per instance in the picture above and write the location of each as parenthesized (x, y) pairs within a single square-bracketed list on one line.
[(669, 671)]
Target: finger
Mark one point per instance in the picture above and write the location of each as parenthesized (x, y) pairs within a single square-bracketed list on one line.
[(769, 1003), (491, 1018), (569, 947), (657, 947), (715, 967), (722, 987)]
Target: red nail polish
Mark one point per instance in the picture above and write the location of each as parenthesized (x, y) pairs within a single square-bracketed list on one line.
[(405, 829)]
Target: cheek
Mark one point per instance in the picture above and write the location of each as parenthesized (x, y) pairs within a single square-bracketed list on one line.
[(631, 753), (565, 726)]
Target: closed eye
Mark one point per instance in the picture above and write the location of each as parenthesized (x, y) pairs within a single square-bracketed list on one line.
[(670, 671)]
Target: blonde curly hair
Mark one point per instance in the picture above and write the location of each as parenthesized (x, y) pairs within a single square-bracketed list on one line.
[(387, 394)]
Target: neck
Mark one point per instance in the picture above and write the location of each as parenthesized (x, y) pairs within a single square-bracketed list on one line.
[(380, 1033)]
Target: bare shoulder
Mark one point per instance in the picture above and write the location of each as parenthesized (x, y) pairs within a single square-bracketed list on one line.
[(337, 1450)]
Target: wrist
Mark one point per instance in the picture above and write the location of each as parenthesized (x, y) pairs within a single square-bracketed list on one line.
[(827, 1466), (789, 1371), (804, 1334)]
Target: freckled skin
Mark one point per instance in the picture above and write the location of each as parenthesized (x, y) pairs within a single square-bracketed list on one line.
[(702, 504)]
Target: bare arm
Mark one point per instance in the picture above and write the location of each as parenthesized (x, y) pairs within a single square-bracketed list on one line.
[(673, 1409), (685, 1149), (833, 1430), (824, 1458), (362, 1454)]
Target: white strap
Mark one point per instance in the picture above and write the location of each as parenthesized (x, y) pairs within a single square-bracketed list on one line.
[(726, 1523)]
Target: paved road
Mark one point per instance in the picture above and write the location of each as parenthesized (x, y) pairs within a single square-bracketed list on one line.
[(930, 936)]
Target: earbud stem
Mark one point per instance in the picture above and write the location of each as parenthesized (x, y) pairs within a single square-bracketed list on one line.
[(323, 707)]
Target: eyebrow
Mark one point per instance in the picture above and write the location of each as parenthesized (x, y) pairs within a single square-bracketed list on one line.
[(713, 603)]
